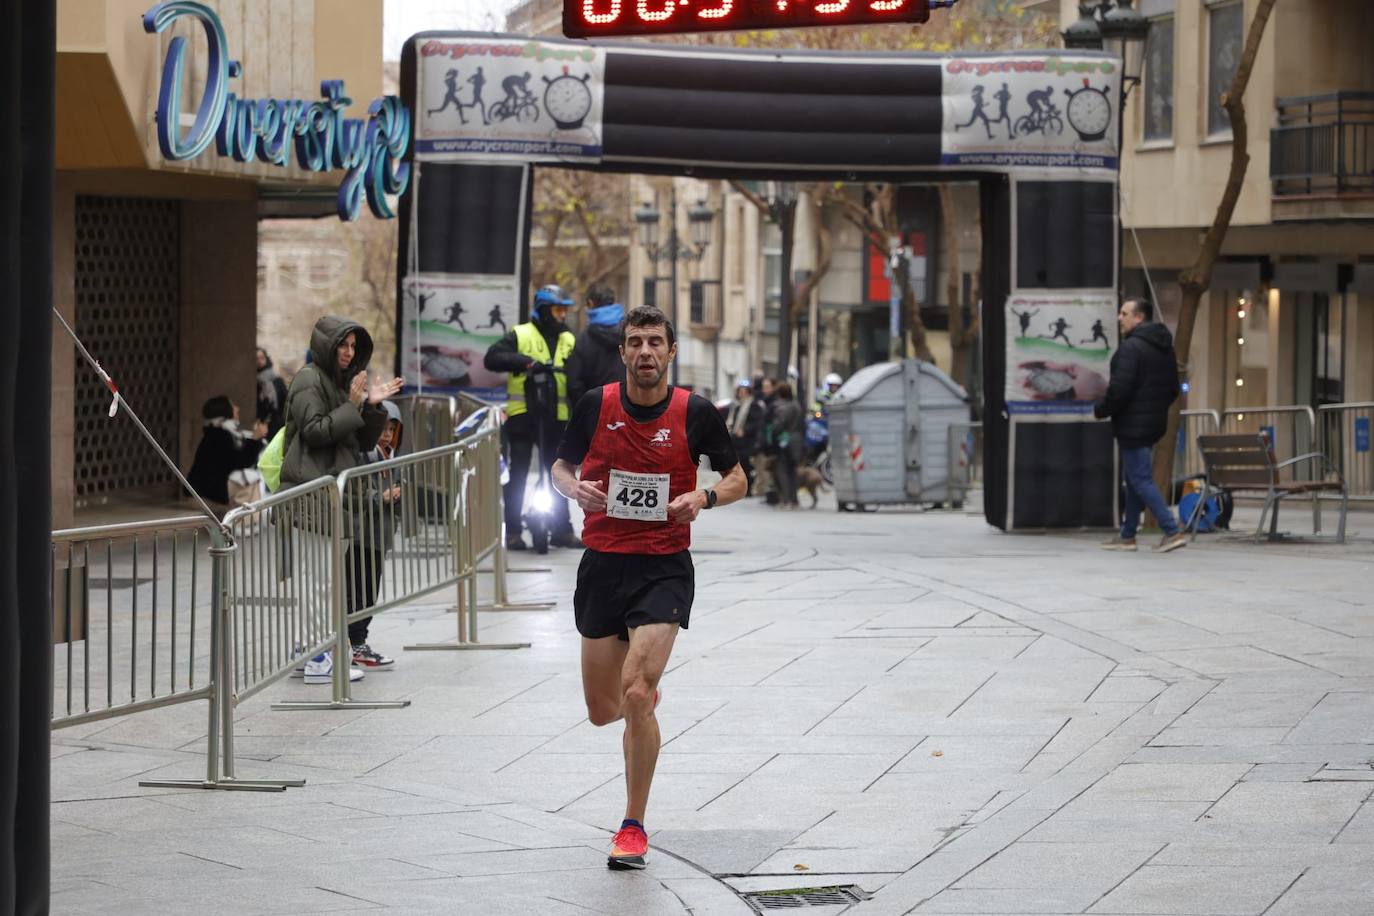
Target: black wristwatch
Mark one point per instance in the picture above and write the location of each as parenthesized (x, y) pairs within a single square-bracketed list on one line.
[(710, 499)]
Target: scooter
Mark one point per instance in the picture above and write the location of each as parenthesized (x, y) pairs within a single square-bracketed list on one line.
[(541, 396)]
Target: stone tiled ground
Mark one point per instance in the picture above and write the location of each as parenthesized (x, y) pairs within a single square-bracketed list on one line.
[(953, 719)]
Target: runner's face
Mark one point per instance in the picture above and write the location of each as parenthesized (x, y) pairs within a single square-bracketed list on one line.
[(647, 354)]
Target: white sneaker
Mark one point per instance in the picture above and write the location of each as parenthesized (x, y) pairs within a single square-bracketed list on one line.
[(320, 670)]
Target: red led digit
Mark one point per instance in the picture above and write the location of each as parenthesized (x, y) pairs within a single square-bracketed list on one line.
[(589, 13), (886, 6), (719, 12), (648, 15), (831, 7)]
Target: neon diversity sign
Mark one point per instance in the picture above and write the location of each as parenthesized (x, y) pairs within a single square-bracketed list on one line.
[(267, 129)]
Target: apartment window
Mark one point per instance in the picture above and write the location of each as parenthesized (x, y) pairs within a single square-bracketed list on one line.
[(1159, 81), (1225, 39)]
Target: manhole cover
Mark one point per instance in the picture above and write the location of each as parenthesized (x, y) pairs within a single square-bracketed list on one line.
[(800, 897)]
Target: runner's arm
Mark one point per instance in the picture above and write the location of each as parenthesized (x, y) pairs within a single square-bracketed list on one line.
[(590, 495)]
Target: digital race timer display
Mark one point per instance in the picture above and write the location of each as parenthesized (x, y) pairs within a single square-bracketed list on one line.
[(603, 18)]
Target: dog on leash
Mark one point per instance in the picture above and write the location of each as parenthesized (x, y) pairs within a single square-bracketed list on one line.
[(810, 480)]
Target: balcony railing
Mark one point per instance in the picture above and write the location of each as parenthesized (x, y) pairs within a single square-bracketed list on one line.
[(1323, 145)]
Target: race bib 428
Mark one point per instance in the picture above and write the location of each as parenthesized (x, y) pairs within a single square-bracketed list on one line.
[(637, 497)]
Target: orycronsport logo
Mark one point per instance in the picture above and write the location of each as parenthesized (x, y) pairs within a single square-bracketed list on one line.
[(531, 49), (1056, 65)]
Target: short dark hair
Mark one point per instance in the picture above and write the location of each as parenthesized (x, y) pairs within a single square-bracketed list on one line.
[(783, 390), (218, 408), (1143, 307), (646, 316), (600, 294)]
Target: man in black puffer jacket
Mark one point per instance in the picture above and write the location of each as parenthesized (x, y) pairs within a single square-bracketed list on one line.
[(1144, 383)]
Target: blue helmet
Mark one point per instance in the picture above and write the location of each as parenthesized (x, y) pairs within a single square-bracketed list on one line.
[(551, 294)]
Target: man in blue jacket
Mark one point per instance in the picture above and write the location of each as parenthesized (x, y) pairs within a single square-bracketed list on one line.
[(1144, 383)]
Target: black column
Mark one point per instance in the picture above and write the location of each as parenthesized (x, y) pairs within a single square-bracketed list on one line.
[(27, 79)]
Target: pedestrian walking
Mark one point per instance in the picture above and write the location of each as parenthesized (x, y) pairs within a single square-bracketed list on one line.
[(1144, 382), (789, 430), (629, 457), (595, 360), (333, 416), (764, 449), (271, 407), (531, 353)]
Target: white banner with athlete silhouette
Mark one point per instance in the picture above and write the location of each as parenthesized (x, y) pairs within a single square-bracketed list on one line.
[(1025, 113), (450, 320), (1059, 350), (494, 99)]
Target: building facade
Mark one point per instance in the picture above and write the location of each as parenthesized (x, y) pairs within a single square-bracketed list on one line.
[(1290, 316), (156, 261)]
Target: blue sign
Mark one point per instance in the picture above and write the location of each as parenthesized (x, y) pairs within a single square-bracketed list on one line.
[(1362, 434), (369, 151), (1268, 433)]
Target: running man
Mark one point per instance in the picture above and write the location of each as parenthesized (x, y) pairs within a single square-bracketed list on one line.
[(477, 81), (494, 318), (1099, 333), (629, 458), (1059, 326), (1003, 97), (455, 316)]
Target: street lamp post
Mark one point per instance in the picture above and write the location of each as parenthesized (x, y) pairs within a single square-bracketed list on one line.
[(1115, 26), (699, 219)]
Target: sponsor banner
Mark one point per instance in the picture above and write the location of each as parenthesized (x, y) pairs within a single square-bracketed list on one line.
[(495, 99), (450, 322), (1059, 350), (1024, 112)]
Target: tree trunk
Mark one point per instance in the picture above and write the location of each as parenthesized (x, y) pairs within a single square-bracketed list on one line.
[(1197, 279), (962, 337), (787, 223)]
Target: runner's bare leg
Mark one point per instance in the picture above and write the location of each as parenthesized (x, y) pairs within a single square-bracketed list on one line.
[(603, 661), (650, 646)]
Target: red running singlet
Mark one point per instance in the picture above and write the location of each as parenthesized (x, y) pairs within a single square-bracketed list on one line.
[(633, 459)]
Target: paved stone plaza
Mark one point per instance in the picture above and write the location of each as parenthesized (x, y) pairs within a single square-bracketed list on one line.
[(947, 718)]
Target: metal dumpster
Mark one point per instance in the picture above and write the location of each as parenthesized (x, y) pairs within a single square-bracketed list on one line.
[(889, 434)]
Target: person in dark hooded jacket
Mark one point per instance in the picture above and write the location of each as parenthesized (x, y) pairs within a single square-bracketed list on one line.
[(333, 417), (595, 361), (1144, 383)]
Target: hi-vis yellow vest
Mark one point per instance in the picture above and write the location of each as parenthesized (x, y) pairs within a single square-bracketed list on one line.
[(531, 343)]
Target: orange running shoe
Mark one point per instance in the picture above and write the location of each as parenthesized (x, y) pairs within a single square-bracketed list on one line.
[(628, 848)]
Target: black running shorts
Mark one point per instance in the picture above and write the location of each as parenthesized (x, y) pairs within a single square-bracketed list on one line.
[(617, 592)]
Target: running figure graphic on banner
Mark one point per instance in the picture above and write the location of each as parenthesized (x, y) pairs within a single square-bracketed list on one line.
[(455, 316)]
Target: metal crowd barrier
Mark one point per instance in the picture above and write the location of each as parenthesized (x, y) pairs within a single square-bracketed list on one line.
[(179, 610), (162, 619), (1187, 456), (131, 618), (1344, 434), (965, 460), (429, 421), (1291, 430)]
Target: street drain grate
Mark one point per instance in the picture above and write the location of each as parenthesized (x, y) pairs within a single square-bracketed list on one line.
[(797, 898)]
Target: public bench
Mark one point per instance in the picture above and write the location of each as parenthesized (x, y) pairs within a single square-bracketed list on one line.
[(1244, 464)]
